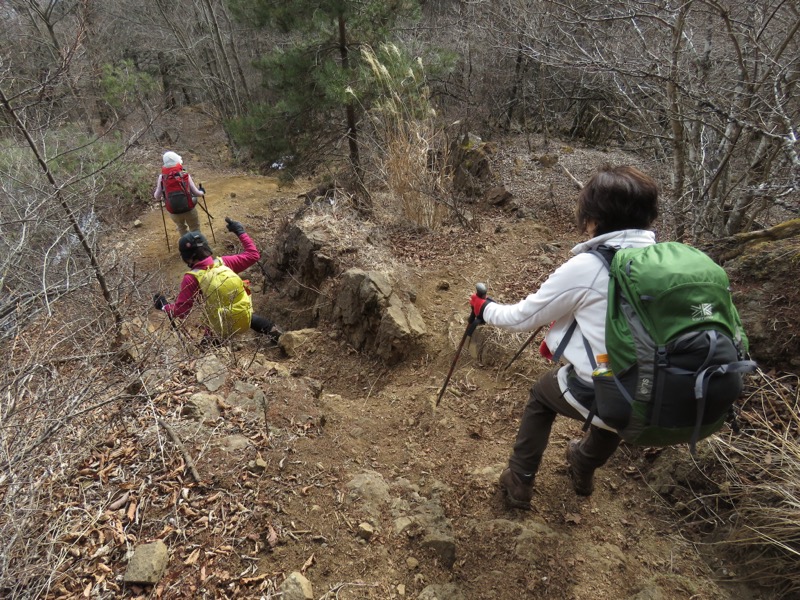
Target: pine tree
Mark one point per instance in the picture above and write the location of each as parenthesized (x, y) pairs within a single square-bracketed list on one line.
[(317, 83)]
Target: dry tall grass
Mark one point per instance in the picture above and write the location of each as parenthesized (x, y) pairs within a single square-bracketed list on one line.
[(411, 149), (759, 486)]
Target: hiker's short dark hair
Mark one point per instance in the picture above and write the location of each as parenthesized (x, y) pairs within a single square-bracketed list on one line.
[(618, 198)]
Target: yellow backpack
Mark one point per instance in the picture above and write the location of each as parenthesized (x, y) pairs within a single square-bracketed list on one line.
[(226, 296)]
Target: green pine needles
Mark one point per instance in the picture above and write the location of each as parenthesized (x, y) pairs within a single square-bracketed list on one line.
[(317, 85)]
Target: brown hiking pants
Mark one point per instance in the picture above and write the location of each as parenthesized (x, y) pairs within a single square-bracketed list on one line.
[(186, 222), (545, 403)]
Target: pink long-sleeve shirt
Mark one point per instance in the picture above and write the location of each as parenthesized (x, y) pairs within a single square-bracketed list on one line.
[(189, 286)]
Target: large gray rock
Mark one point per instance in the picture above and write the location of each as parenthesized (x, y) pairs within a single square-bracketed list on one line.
[(202, 407), (147, 564), (470, 159), (438, 532), (307, 251), (498, 196), (374, 317), (370, 488), (299, 341), (296, 587), (211, 372)]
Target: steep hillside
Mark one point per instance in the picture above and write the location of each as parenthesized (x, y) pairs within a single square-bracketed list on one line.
[(251, 462)]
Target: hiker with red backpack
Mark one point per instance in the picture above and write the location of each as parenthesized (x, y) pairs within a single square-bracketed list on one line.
[(676, 386), (178, 190), (215, 282)]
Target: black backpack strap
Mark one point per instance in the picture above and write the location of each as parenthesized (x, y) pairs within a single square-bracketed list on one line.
[(565, 340), (185, 187), (606, 255), (701, 382), (592, 414)]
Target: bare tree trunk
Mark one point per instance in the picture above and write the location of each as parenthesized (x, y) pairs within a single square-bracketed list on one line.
[(676, 124), (350, 109), (235, 53), (514, 97), (166, 86), (225, 59)]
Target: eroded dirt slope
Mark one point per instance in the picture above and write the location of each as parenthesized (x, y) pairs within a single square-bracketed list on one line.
[(331, 464)]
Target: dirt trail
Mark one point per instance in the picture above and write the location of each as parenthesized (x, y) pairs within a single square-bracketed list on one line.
[(367, 420), (246, 198)]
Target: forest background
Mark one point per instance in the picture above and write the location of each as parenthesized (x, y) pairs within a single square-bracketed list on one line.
[(363, 96)]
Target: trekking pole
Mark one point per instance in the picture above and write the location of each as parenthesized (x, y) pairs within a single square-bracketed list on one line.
[(178, 332), (160, 301), (525, 345), (164, 219), (473, 323), (208, 214)]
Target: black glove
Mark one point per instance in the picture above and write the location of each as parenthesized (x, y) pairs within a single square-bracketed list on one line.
[(160, 301), (201, 188), (234, 226)]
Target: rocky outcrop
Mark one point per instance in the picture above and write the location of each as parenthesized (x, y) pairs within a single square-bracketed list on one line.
[(470, 158), (374, 317), (306, 252), (763, 269), (373, 313)]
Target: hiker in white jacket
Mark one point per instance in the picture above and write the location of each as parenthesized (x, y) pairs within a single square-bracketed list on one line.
[(616, 208)]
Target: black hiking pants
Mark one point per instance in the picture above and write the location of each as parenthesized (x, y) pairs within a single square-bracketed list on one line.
[(546, 401), (265, 326)]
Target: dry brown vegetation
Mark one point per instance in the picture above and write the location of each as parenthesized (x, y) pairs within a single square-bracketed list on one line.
[(756, 493)]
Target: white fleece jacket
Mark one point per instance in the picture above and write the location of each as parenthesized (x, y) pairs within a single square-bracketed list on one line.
[(576, 291)]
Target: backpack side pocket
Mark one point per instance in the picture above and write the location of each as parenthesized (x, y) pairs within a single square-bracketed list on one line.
[(612, 405)]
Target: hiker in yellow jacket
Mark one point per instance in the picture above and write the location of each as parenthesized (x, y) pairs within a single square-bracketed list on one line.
[(226, 297)]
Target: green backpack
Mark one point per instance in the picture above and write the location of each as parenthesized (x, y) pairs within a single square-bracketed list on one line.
[(675, 343)]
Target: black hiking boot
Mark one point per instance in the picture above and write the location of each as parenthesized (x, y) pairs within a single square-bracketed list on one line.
[(275, 334), (518, 493), (582, 478)]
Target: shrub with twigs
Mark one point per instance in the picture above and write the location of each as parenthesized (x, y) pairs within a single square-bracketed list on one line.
[(758, 479), (62, 385)]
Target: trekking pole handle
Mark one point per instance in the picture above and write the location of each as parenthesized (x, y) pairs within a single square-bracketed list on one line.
[(481, 290)]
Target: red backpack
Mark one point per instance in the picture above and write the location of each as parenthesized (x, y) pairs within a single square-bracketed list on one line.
[(177, 195)]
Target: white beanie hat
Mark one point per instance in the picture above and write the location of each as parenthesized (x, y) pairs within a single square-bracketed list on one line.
[(171, 159)]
